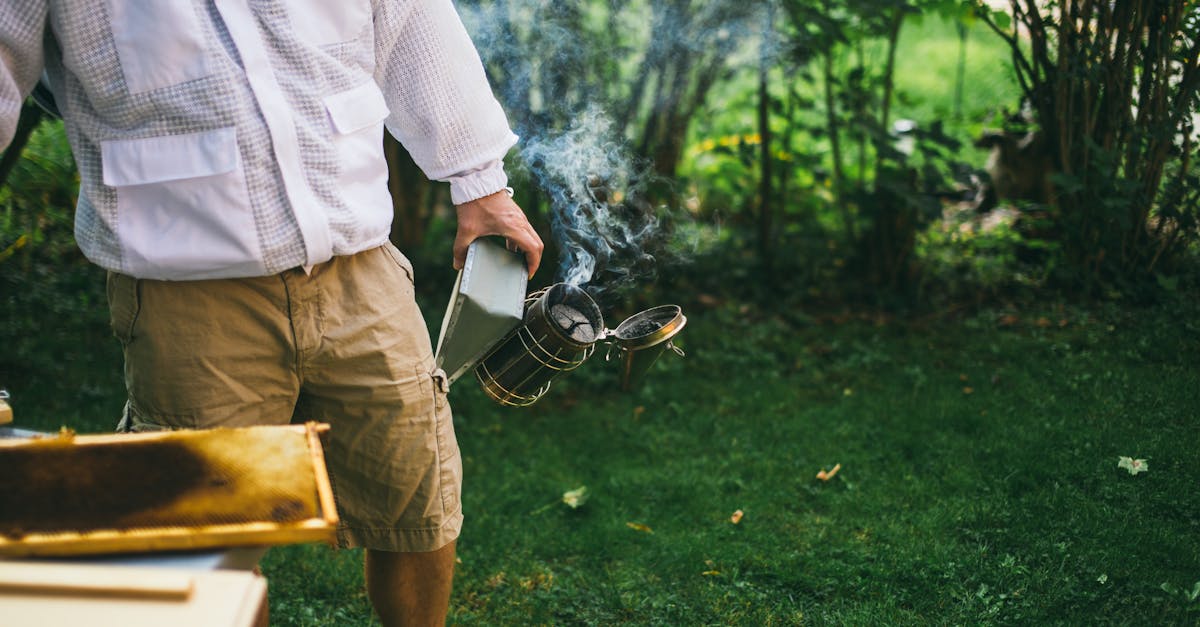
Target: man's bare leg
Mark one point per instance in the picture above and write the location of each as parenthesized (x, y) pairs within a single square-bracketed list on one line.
[(410, 588)]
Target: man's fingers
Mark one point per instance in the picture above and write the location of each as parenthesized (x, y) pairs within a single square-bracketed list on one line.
[(460, 252), (530, 244), (532, 261), (497, 215)]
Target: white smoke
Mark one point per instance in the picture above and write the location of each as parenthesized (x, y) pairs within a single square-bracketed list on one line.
[(548, 61), (579, 168)]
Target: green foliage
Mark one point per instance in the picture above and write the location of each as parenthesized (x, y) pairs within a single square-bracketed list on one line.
[(1115, 89), (37, 202), (881, 190), (59, 359)]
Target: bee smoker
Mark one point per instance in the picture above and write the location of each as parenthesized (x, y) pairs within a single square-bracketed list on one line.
[(560, 330)]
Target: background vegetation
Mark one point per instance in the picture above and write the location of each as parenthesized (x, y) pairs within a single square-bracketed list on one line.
[(810, 181)]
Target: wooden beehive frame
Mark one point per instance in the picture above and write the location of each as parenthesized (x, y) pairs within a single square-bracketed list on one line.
[(319, 527)]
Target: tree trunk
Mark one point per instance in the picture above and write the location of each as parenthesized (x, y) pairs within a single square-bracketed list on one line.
[(835, 131), (410, 196), (766, 198)]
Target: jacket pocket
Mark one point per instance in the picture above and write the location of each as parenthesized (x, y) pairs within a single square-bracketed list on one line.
[(356, 118), (159, 43), (323, 23), (183, 211)]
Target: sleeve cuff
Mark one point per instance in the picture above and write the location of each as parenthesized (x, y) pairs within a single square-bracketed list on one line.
[(477, 183)]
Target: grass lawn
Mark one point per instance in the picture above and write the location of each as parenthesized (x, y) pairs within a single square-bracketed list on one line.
[(978, 480)]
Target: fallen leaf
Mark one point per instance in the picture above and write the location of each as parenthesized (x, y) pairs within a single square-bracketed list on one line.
[(711, 573), (638, 411), (639, 527), (576, 498), (1008, 320), (824, 475), (968, 390), (736, 517), (1134, 466)]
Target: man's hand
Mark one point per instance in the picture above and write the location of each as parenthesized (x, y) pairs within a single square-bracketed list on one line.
[(497, 215)]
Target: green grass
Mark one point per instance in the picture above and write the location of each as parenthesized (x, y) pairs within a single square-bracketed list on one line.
[(1001, 505), (926, 65), (998, 504)]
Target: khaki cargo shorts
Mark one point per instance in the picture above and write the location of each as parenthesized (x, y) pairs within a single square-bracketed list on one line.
[(345, 345)]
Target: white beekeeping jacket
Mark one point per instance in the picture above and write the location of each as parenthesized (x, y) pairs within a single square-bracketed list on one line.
[(235, 138)]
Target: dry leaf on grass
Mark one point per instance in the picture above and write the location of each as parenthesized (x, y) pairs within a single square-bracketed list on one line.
[(576, 498), (1134, 466), (826, 475), (639, 527), (736, 517)]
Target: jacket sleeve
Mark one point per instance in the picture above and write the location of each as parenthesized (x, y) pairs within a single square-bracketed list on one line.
[(442, 108), (22, 26)]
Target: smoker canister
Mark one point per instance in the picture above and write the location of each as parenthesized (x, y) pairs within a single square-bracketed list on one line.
[(561, 326), (642, 337)]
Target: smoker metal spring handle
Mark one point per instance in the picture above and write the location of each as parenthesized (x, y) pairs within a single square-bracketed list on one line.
[(621, 350), (611, 345)]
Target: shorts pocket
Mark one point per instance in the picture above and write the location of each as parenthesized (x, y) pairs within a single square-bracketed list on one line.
[(449, 460), (124, 305), (183, 211), (400, 260), (159, 43)]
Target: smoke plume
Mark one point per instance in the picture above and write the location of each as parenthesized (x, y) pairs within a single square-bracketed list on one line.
[(601, 231), (570, 146)]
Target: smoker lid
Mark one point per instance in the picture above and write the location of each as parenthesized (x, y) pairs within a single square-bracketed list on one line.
[(650, 327)]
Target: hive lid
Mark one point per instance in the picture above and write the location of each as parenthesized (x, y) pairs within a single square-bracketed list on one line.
[(486, 304)]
